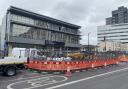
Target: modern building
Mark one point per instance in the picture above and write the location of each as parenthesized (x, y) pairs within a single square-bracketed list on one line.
[(116, 28), (117, 33), (118, 16), (26, 29)]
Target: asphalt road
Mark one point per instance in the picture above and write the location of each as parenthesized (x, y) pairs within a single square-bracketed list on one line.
[(112, 77)]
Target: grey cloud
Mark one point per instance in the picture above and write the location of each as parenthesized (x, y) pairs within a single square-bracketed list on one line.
[(73, 11), (87, 13)]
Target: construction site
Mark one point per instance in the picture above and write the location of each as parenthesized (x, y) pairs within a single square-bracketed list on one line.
[(40, 52)]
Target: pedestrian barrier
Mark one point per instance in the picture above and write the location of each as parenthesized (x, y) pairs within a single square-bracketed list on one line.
[(73, 65)]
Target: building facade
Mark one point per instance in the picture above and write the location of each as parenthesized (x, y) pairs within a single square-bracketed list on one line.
[(25, 29), (118, 16), (116, 28), (112, 46), (89, 48), (117, 33)]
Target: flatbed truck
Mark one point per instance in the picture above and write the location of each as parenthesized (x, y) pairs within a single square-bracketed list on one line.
[(19, 56), (10, 65)]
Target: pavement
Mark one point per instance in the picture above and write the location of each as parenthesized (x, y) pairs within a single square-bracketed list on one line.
[(110, 77)]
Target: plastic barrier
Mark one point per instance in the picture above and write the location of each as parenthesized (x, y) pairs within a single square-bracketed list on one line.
[(73, 65), (123, 59)]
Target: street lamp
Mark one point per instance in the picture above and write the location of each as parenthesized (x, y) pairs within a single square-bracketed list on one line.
[(105, 48), (88, 41)]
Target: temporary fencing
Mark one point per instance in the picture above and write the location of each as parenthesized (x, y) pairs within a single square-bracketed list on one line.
[(123, 58), (73, 65)]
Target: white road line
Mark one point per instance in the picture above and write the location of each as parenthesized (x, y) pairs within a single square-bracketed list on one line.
[(21, 78), (100, 75), (15, 83)]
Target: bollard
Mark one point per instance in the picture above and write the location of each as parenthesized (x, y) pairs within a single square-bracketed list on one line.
[(92, 65), (68, 72), (105, 64)]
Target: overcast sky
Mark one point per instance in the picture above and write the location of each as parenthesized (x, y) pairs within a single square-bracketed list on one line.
[(87, 13)]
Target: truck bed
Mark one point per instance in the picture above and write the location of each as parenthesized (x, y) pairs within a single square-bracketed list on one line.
[(13, 60)]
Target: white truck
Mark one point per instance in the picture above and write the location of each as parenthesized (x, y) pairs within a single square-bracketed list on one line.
[(19, 56)]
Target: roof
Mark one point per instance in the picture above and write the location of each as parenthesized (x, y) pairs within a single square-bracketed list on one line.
[(32, 14)]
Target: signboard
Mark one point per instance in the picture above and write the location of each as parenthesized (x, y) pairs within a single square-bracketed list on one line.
[(54, 43)]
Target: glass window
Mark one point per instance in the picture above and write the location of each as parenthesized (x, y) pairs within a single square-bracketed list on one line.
[(23, 19), (14, 17), (29, 32)]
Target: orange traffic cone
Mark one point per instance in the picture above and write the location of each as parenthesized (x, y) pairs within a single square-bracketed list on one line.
[(68, 72)]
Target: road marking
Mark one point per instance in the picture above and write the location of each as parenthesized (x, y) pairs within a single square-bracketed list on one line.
[(38, 82), (76, 81), (21, 78), (77, 71)]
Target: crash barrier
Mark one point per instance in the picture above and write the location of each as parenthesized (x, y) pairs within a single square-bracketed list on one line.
[(73, 65)]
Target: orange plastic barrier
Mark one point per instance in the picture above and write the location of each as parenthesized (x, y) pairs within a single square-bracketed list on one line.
[(73, 65), (123, 59)]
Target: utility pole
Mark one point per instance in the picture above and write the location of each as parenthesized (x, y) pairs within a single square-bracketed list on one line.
[(67, 51), (105, 43), (88, 41)]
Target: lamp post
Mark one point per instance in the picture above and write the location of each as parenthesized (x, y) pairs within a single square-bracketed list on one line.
[(88, 41), (105, 48)]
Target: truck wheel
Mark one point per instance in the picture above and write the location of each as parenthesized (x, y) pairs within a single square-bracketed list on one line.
[(10, 71)]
